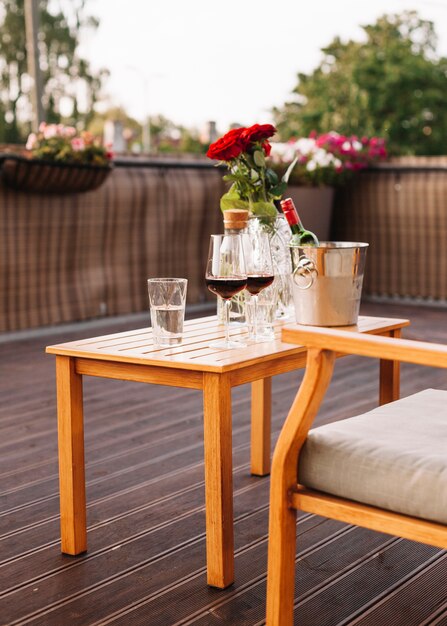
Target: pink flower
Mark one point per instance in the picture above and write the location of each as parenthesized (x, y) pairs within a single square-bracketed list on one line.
[(68, 131), (50, 131), (77, 144)]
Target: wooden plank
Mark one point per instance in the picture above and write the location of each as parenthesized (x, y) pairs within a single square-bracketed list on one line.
[(218, 480), (261, 416), (194, 352), (281, 553), (404, 350), (146, 547), (370, 517), (139, 373), (389, 377), (71, 457), (256, 369)]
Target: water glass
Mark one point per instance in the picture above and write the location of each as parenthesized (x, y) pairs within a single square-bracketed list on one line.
[(167, 297), (261, 328)]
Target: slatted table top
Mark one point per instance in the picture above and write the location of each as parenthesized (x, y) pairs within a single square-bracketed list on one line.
[(194, 353)]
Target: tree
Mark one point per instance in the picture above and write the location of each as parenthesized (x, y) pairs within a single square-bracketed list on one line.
[(392, 85), (65, 75)]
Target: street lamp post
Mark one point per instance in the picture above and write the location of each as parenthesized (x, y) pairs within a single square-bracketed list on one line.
[(146, 130), (146, 136), (32, 52)]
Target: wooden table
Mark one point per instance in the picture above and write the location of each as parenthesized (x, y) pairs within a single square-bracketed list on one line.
[(133, 356)]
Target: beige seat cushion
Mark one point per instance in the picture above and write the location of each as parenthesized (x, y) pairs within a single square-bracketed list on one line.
[(394, 457)]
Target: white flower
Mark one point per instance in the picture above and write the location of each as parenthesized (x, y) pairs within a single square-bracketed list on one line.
[(50, 131), (304, 146), (282, 152), (322, 158), (31, 141), (357, 145)]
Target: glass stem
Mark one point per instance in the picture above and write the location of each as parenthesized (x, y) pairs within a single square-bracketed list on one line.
[(227, 304), (255, 317)]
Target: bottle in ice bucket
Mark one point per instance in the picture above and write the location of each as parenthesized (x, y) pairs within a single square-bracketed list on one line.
[(300, 236), (235, 223)]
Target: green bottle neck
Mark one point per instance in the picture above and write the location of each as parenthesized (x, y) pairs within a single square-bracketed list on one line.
[(297, 228)]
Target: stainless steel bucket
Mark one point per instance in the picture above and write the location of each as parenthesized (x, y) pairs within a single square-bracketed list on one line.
[(327, 282)]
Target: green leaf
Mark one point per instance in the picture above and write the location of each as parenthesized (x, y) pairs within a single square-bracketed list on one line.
[(259, 158), (254, 175), (278, 190), (263, 208), (249, 159), (234, 177), (271, 176), (231, 200)]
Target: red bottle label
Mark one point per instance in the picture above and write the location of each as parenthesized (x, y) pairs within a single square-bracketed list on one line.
[(289, 211)]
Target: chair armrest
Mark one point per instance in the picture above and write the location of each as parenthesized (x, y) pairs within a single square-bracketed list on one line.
[(348, 342)]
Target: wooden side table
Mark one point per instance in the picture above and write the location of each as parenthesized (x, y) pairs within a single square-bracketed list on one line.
[(132, 356)]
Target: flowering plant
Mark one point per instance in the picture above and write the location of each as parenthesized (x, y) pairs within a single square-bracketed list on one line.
[(327, 159), (254, 185), (62, 144)]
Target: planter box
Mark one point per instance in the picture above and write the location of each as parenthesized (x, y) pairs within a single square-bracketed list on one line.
[(38, 176), (314, 206)]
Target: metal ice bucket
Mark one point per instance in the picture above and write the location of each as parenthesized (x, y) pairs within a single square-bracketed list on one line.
[(327, 282)]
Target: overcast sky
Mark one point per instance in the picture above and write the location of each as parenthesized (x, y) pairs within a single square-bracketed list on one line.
[(231, 61)]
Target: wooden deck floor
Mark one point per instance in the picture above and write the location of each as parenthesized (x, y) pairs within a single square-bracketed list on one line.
[(146, 559)]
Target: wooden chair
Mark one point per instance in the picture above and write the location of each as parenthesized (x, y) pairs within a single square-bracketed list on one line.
[(307, 473)]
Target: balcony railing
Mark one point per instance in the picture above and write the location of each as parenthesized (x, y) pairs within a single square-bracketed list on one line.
[(79, 256)]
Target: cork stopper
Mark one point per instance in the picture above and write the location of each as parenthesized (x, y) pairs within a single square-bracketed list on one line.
[(235, 219)]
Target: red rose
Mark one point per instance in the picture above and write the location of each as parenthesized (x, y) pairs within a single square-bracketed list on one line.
[(258, 132), (267, 148), (229, 146)]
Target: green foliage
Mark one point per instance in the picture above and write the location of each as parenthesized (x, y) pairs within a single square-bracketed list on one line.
[(254, 185), (63, 70), (392, 85)]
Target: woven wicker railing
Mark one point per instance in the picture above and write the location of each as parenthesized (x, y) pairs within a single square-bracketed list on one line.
[(74, 257), (84, 255), (401, 210)]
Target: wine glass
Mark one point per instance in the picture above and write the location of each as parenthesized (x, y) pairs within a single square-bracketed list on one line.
[(259, 266), (226, 276)]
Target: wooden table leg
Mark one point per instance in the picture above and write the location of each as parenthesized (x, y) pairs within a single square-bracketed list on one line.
[(261, 414), (389, 376), (218, 479), (71, 457)]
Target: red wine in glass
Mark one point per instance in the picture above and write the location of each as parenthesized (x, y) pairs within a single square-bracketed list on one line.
[(226, 287), (225, 276), (258, 282)]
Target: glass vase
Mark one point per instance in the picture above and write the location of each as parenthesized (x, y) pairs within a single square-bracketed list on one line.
[(279, 234), (237, 303)]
